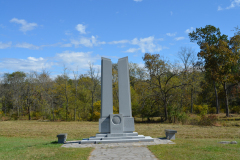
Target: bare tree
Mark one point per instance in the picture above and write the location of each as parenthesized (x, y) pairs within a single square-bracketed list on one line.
[(62, 81), (187, 56), (75, 74), (14, 83), (31, 92), (95, 82), (47, 88)]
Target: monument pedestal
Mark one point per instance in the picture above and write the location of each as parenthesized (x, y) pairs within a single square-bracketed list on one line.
[(116, 129), (117, 138)]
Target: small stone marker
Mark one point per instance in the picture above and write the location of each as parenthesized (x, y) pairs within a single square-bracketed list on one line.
[(62, 137), (228, 142), (233, 142), (170, 134)]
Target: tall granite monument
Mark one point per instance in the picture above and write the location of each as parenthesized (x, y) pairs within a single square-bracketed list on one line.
[(116, 128)]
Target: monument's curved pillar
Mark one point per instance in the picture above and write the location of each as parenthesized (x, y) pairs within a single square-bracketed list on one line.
[(106, 95), (125, 108)]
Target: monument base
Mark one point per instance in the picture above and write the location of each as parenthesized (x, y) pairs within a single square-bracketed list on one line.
[(107, 124), (116, 138)]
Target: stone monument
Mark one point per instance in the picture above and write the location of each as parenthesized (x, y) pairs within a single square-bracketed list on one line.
[(116, 128)]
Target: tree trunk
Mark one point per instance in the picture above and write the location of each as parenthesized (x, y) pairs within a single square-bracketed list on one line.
[(92, 106), (29, 110), (226, 100), (216, 95), (17, 110), (67, 111), (165, 110), (191, 100), (52, 110), (66, 100), (75, 114)]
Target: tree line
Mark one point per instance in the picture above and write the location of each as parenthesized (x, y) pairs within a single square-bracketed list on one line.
[(208, 83)]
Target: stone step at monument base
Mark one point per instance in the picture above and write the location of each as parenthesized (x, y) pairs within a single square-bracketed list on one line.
[(112, 138), (146, 139), (117, 138), (117, 134)]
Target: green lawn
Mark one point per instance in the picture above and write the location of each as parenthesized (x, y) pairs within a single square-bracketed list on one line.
[(32, 148), (194, 149)]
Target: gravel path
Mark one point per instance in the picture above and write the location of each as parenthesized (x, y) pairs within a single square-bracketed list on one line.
[(125, 153), (118, 151)]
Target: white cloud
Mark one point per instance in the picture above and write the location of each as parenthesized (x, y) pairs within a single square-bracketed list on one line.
[(171, 13), (159, 39), (35, 59), (87, 42), (71, 59), (189, 30), (25, 26), (137, 0), (66, 45), (26, 45), (117, 42), (171, 34), (179, 38), (219, 8), (68, 33), (31, 46), (74, 59), (81, 28), (144, 44), (132, 50), (147, 44), (29, 64), (51, 45), (5, 45), (234, 4)]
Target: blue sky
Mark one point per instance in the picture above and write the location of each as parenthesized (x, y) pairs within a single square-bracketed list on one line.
[(41, 34)]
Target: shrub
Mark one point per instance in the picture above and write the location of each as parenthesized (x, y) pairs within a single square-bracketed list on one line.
[(222, 110), (200, 109), (212, 110), (235, 109), (177, 115), (208, 120), (96, 116), (183, 117), (36, 115), (14, 116)]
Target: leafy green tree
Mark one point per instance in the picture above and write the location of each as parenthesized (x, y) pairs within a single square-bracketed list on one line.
[(14, 83), (208, 35), (221, 60), (94, 85), (162, 80)]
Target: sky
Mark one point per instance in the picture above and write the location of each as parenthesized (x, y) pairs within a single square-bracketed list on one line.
[(50, 35)]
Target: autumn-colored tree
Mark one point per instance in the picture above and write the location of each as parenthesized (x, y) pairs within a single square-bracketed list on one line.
[(14, 83), (221, 61), (162, 80), (94, 85), (208, 35)]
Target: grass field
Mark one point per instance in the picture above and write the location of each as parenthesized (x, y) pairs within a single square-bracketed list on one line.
[(37, 140)]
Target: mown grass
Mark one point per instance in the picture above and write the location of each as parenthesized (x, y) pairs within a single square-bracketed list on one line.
[(35, 148), (33, 140), (197, 149)]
